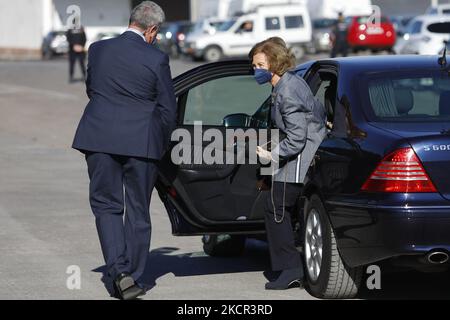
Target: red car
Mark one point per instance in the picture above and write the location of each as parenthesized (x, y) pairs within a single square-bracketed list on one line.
[(365, 34)]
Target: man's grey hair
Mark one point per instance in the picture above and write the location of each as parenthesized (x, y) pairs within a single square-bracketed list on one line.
[(147, 14)]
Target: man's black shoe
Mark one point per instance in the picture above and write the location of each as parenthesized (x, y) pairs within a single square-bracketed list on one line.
[(125, 287), (287, 279), (133, 292)]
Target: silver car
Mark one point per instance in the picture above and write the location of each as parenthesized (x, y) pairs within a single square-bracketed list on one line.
[(322, 29)]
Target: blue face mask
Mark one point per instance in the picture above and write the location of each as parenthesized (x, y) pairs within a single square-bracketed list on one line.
[(263, 76)]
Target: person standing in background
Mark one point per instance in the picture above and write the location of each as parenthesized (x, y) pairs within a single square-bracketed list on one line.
[(76, 37), (339, 37)]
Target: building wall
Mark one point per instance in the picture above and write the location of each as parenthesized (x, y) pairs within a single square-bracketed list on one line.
[(403, 7), (175, 10), (96, 15), (24, 23), (204, 8), (21, 24)]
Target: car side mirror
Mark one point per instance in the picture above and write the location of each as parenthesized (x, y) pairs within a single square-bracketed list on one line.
[(239, 31), (240, 120)]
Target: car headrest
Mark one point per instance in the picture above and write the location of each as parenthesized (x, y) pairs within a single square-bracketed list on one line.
[(444, 103), (404, 100)]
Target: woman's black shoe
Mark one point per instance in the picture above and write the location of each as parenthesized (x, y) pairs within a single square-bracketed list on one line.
[(287, 279)]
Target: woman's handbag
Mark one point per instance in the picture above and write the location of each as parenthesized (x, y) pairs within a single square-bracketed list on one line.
[(264, 183)]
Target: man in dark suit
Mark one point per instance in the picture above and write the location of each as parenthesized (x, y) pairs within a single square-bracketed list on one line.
[(76, 37), (124, 131)]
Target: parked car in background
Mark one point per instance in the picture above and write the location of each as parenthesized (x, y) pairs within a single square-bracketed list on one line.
[(400, 23), (172, 35), (439, 9), (207, 26), (364, 33), (54, 43), (424, 35), (106, 35), (237, 37), (322, 29), (102, 35)]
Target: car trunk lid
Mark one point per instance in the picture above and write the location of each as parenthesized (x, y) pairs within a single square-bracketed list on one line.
[(431, 143)]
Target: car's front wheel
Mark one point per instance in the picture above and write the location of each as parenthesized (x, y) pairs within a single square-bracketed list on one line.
[(223, 245), (328, 276), (213, 54)]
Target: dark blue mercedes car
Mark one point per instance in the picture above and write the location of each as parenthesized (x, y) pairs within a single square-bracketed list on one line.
[(378, 188)]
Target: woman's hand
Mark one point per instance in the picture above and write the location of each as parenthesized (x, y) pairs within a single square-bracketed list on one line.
[(263, 154)]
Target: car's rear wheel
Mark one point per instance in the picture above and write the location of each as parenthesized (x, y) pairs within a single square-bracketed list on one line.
[(213, 54), (328, 276), (223, 245)]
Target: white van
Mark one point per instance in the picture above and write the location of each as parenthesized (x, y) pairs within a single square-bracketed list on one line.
[(236, 37)]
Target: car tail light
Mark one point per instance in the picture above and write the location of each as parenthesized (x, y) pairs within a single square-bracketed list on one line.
[(181, 37), (400, 171)]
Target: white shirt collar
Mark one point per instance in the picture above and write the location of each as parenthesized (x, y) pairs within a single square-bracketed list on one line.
[(137, 32)]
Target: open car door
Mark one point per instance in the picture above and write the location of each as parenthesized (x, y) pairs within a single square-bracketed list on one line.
[(216, 198)]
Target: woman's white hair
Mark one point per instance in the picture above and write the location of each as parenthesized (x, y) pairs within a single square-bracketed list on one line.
[(147, 14)]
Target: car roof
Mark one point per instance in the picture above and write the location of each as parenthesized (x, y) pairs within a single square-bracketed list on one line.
[(358, 64), (433, 18)]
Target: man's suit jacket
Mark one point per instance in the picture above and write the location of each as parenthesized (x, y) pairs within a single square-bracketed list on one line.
[(301, 117), (132, 107)]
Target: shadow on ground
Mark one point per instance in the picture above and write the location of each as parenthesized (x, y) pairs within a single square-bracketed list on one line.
[(165, 260), (395, 283)]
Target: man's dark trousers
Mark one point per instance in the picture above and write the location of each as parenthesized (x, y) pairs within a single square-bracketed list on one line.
[(73, 58), (117, 182)]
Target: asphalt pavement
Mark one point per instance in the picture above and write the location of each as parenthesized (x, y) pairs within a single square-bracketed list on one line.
[(47, 229)]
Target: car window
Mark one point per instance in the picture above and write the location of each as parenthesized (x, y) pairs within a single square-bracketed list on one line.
[(246, 26), (260, 118), (410, 98), (415, 27), (323, 23), (363, 20), (225, 26), (293, 22), (210, 102), (440, 27), (272, 23), (320, 94)]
